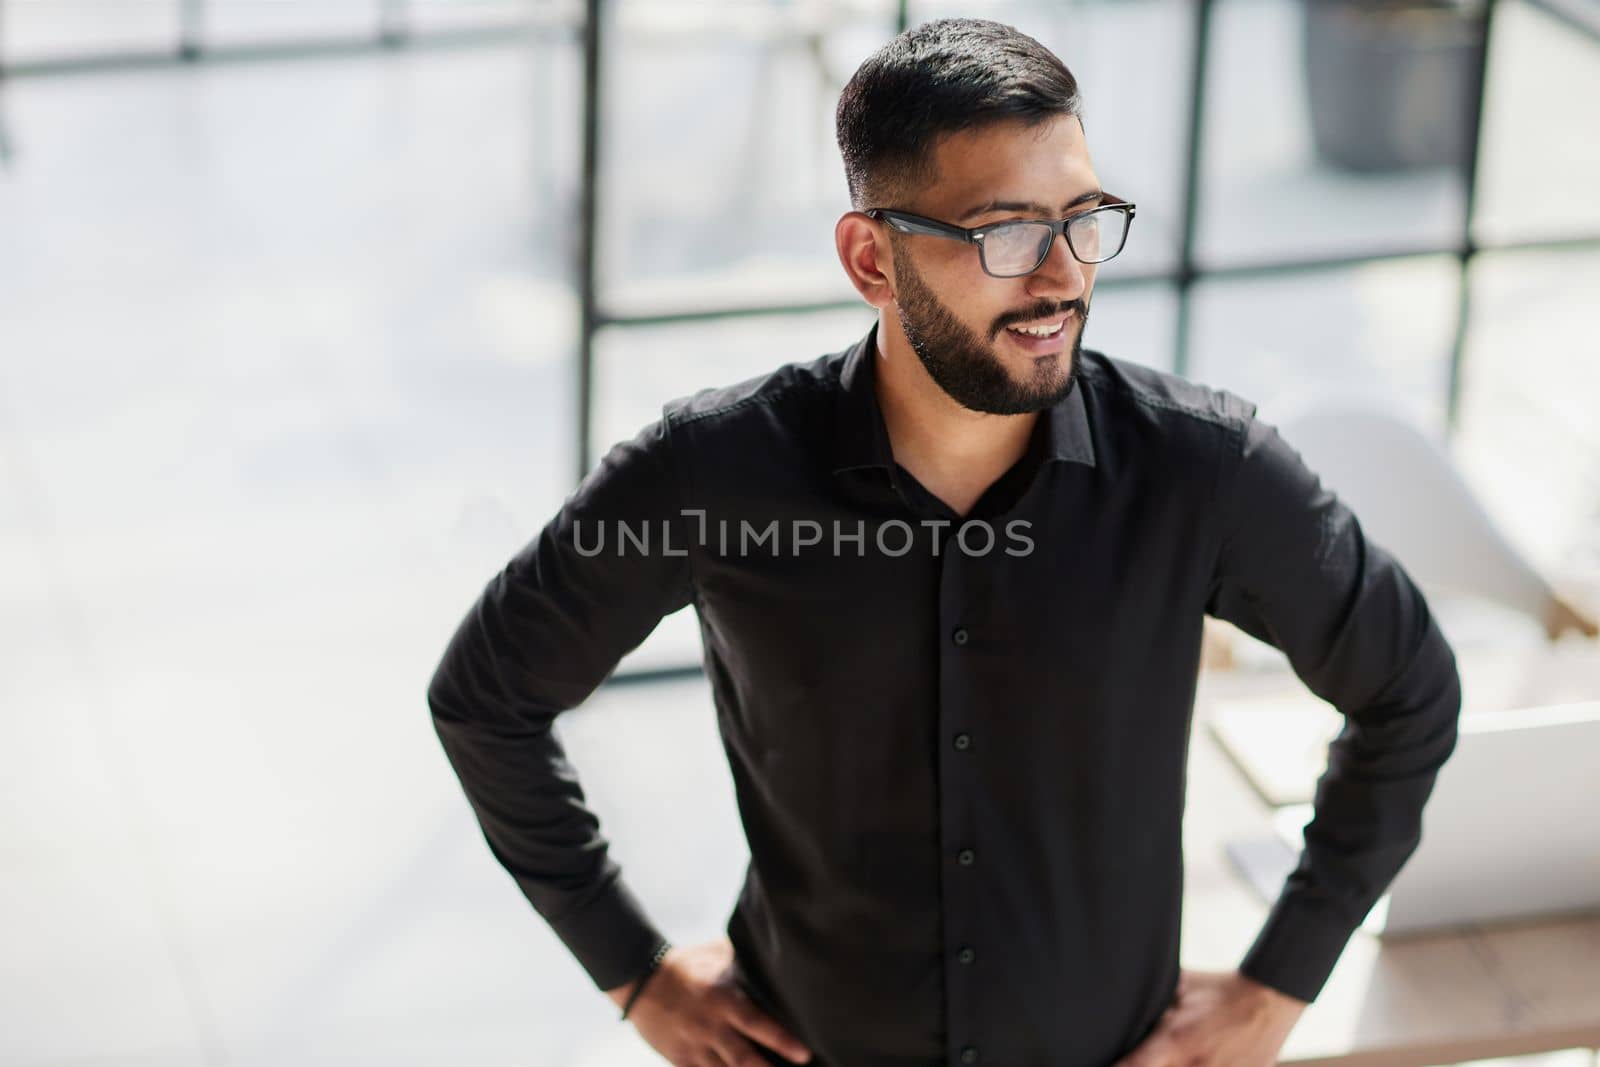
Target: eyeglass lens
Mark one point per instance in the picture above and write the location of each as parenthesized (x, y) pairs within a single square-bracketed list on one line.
[(1019, 247)]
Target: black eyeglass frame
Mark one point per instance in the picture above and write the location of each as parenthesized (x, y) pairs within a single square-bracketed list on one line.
[(906, 222)]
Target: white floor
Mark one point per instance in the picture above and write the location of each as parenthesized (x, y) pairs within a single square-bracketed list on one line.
[(284, 378)]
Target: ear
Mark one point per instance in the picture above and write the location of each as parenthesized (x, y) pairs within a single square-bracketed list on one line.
[(868, 261)]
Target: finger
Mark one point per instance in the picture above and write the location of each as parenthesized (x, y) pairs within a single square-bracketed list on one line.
[(733, 1050), (1153, 1053), (761, 1027)]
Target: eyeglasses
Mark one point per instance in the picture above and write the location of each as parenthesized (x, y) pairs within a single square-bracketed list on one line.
[(1014, 248)]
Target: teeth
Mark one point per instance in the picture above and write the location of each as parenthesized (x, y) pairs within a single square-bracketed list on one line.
[(1037, 331)]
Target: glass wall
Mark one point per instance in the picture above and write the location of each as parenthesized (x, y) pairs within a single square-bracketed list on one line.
[(720, 178), (33, 32), (1379, 332), (1540, 166)]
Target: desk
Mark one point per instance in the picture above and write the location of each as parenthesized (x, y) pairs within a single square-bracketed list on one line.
[(1478, 993)]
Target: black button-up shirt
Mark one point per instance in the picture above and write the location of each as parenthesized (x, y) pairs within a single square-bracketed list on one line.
[(958, 743)]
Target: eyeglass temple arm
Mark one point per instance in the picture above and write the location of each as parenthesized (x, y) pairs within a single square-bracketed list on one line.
[(917, 224)]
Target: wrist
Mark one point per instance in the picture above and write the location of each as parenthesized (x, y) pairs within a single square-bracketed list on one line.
[(628, 996), (1276, 1000)]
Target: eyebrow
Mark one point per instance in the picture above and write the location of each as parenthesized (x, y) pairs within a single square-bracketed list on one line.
[(1025, 205)]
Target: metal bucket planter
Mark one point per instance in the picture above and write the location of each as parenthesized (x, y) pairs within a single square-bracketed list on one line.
[(1393, 84)]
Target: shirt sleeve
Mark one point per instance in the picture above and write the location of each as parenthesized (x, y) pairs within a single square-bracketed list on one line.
[(1295, 569), (542, 636)]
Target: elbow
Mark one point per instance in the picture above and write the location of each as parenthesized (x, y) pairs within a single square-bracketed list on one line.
[(1452, 698), (1443, 701), (449, 692)]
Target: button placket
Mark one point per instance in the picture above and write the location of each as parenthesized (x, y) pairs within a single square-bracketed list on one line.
[(958, 705)]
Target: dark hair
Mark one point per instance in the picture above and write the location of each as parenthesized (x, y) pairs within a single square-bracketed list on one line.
[(933, 80)]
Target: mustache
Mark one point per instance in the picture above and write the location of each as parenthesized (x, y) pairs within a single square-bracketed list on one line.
[(1048, 311)]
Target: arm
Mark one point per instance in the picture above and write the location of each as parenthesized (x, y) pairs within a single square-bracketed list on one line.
[(1295, 569), (542, 636)]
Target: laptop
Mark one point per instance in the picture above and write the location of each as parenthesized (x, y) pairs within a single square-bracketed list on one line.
[(1510, 832)]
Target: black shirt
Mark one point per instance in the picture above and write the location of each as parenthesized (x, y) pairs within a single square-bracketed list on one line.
[(958, 744)]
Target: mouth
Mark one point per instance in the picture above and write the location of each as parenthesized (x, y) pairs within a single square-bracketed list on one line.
[(1039, 338)]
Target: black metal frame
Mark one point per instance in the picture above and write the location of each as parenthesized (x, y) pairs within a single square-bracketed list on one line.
[(590, 316), (906, 222), (393, 30)]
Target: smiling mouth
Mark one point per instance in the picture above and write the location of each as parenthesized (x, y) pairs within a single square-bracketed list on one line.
[(1041, 332), (1037, 331)]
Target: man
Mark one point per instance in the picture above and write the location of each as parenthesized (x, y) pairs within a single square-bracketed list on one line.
[(951, 584)]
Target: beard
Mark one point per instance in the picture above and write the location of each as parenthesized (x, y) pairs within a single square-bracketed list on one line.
[(969, 370)]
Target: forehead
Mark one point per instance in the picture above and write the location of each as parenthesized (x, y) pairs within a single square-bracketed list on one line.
[(1009, 161)]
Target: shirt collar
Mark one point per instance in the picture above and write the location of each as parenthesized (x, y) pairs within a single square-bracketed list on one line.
[(862, 440)]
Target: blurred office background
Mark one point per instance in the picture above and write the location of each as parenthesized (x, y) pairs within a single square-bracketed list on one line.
[(311, 313)]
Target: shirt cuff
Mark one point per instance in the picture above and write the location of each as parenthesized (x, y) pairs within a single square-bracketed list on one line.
[(610, 935), (1297, 948)]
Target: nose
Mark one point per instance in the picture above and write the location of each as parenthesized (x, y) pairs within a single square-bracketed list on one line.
[(1060, 276)]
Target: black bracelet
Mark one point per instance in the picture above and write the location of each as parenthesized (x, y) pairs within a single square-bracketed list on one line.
[(655, 965)]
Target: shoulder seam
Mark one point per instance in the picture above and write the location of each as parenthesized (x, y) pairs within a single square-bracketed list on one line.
[(1164, 405), (1222, 496)]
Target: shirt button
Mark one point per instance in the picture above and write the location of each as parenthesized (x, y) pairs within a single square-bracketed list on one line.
[(966, 955), (969, 1055), (960, 635), (963, 742), (966, 857)]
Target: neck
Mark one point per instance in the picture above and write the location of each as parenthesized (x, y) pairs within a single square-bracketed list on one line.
[(953, 451)]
